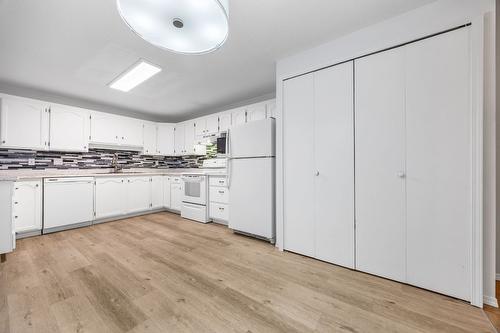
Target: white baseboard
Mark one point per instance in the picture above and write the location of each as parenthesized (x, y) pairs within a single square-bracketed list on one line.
[(491, 301), (498, 276)]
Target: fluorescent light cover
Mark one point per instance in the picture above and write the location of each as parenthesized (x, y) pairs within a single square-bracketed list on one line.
[(134, 76)]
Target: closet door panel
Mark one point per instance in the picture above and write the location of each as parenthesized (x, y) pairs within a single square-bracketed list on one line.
[(380, 188), (299, 165), (334, 160), (439, 153)]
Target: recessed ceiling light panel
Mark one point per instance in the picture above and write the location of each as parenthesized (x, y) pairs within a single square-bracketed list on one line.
[(134, 76), (181, 26)]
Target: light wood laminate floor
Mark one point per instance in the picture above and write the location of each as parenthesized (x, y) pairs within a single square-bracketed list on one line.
[(161, 273)]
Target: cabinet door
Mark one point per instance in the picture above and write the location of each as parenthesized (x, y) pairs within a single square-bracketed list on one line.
[(334, 159), (69, 128), (200, 127), (299, 167), (104, 128), (139, 194), (380, 187), (439, 159), (110, 197), (224, 122), (177, 191), (166, 192), (256, 112), (23, 123), (157, 192), (131, 132), (271, 109), (239, 116), (150, 138), (212, 125), (27, 206), (190, 140), (180, 139), (166, 139)]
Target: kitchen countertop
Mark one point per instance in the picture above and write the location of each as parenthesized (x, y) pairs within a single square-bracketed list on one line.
[(14, 175)]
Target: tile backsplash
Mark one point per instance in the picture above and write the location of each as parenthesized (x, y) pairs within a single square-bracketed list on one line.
[(12, 159)]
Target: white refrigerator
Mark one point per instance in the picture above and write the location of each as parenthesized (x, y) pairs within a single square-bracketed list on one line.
[(251, 179)]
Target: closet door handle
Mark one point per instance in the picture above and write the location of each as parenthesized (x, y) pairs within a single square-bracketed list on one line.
[(401, 175)]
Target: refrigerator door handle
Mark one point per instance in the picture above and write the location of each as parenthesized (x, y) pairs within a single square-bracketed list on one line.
[(229, 160)]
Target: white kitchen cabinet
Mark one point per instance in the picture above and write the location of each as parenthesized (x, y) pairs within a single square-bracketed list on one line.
[(380, 188), (110, 197), (271, 109), (180, 139), (27, 206), (224, 121), (109, 130), (166, 192), (189, 138), (104, 128), (239, 116), (139, 194), (24, 123), (177, 193), (319, 182), (150, 139), (157, 192), (69, 128), (256, 112), (166, 139), (7, 229), (218, 199), (208, 125), (131, 132)]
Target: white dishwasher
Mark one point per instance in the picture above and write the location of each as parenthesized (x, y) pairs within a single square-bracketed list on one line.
[(67, 203)]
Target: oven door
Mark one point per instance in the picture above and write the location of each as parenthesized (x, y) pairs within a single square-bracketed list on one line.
[(195, 190)]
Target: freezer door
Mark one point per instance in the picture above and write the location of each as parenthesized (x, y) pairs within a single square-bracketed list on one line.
[(252, 199), (253, 139)]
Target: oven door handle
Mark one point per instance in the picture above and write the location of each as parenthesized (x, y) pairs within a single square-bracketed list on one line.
[(191, 179)]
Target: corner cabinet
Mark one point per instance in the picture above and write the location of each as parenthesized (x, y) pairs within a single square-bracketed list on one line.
[(111, 131), (69, 128), (166, 140), (24, 123), (27, 206), (150, 139)]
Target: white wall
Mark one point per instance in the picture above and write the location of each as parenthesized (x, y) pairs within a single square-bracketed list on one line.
[(435, 17)]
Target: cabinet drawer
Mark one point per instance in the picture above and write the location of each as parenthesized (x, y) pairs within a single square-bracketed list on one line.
[(219, 211), (175, 180), (218, 181), (219, 194)]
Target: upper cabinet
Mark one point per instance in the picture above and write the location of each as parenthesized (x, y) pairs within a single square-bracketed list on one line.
[(166, 139), (179, 139), (256, 112), (189, 138), (207, 126), (150, 138), (224, 121), (239, 116), (109, 130), (69, 128), (24, 123)]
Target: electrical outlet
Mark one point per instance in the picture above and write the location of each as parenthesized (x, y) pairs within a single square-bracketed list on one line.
[(31, 161)]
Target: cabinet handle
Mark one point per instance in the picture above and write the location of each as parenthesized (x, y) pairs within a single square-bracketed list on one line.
[(221, 182), (16, 217), (3, 141), (15, 202), (401, 175), (221, 192), (221, 208), (317, 173), (37, 185)]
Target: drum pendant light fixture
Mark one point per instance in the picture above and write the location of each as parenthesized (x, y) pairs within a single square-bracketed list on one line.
[(181, 26)]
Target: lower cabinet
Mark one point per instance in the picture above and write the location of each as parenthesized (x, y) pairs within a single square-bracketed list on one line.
[(219, 199), (110, 197), (157, 192), (27, 206), (176, 192), (166, 192), (138, 194)]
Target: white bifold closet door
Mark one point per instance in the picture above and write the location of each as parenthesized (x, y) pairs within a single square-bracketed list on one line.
[(413, 164), (439, 159), (319, 159), (380, 165)]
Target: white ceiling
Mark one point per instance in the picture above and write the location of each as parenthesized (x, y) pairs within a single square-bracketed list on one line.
[(76, 47)]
